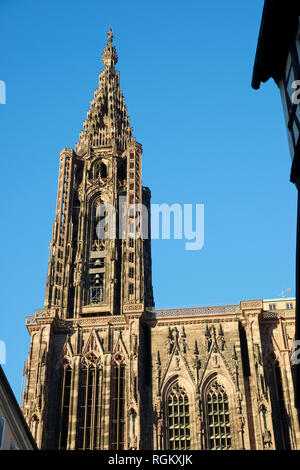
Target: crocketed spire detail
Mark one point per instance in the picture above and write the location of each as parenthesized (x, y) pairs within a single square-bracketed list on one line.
[(107, 122)]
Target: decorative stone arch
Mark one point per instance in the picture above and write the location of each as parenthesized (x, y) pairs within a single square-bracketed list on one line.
[(91, 358), (227, 388), (96, 196), (189, 389), (93, 346), (120, 352), (99, 168), (65, 358), (96, 286), (94, 200), (272, 351), (119, 358)]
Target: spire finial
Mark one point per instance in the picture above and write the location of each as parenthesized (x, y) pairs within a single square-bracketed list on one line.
[(109, 56), (110, 36)]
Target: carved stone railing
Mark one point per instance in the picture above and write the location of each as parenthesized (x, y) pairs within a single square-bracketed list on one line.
[(270, 314), (195, 311), (41, 313)]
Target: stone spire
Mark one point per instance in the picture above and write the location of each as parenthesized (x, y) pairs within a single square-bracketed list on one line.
[(107, 122)]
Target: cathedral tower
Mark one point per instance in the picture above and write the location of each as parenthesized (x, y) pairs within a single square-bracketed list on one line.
[(84, 365), (107, 372)]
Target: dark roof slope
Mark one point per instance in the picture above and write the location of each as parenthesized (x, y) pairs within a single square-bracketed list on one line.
[(12, 399), (278, 30)]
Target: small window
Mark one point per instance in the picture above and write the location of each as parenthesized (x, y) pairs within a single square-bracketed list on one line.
[(289, 306), (130, 258), (272, 306), (130, 272), (130, 289), (131, 242)]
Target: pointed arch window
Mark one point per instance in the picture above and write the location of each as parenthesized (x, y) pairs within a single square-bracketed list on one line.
[(95, 291), (98, 169), (117, 440), (178, 419), (95, 220), (218, 418), (98, 224), (65, 407), (89, 424)]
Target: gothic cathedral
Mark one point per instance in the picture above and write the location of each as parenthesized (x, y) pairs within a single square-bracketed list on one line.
[(106, 371)]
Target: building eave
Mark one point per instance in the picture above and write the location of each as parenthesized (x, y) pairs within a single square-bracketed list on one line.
[(279, 24)]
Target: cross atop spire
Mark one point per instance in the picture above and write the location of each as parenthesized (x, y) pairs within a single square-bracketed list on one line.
[(110, 56), (110, 36)]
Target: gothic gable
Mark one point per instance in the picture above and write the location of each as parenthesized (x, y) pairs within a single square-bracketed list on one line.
[(120, 352), (215, 358), (93, 344)]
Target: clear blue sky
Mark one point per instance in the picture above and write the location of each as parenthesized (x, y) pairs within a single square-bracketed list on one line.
[(185, 70)]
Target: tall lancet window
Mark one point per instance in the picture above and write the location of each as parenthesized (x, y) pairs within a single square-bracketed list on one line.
[(218, 417), (65, 407), (178, 419), (117, 438), (96, 227), (95, 292), (89, 412)]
